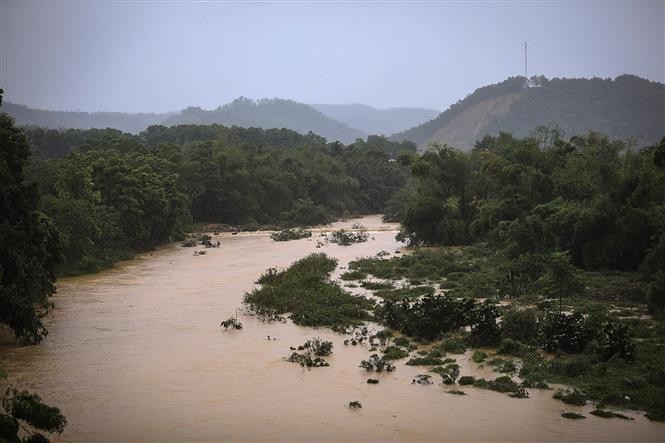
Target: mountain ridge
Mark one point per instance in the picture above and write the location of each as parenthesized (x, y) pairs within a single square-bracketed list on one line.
[(626, 107)]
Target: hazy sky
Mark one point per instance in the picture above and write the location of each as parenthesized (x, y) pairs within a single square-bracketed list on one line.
[(163, 56)]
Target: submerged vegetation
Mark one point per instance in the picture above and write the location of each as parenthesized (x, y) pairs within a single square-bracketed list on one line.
[(291, 234), (313, 351), (305, 291), (346, 237)]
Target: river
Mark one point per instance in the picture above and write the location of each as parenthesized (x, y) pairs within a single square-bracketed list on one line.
[(136, 353)]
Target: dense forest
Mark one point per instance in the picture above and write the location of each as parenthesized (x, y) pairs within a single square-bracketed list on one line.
[(626, 107), (589, 195)]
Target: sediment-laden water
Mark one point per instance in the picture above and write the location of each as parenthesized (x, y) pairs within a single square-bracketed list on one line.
[(136, 354)]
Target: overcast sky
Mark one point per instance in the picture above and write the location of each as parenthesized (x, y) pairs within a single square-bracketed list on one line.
[(163, 56)]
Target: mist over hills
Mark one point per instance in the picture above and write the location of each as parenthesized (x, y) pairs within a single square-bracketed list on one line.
[(626, 107), (124, 121), (377, 121), (269, 114)]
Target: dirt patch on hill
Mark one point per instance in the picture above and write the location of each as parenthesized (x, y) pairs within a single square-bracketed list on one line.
[(463, 131)]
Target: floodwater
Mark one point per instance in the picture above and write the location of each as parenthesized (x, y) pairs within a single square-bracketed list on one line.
[(136, 354)]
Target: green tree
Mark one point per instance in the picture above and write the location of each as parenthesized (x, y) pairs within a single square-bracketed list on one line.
[(28, 241)]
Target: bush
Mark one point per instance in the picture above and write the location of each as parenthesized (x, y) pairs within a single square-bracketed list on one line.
[(479, 356), (485, 331), (376, 363), (512, 347), (394, 353), (504, 366), (564, 332), (466, 380), (318, 347), (453, 345), (353, 275), (344, 237), (520, 325), (573, 397), (448, 373), (614, 340), (291, 234)]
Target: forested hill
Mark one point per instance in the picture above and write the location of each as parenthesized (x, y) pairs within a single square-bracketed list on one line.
[(267, 114), (243, 112), (377, 121), (126, 122), (626, 107)]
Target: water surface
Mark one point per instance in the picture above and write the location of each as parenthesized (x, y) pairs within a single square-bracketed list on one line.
[(136, 354)]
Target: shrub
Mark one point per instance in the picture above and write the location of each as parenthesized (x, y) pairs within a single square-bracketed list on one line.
[(573, 397), (511, 347), (448, 373), (479, 356), (394, 353), (291, 234), (376, 363), (564, 332), (454, 345), (520, 325), (231, 322), (345, 237), (614, 340), (353, 275)]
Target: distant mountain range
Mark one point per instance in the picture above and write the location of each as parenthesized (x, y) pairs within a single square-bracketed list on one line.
[(344, 123), (270, 113), (626, 107), (127, 122), (377, 121)]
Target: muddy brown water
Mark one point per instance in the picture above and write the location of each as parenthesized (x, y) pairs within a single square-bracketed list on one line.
[(136, 354)]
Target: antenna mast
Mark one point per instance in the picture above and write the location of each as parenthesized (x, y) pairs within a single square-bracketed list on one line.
[(527, 83), (526, 76)]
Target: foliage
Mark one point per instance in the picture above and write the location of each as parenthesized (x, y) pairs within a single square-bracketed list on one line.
[(291, 234), (314, 349), (110, 195), (614, 340), (29, 408), (378, 364), (422, 379), (448, 373), (320, 348), (28, 241), (479, 356), (345, 237), (520, 325), (231, 322), (355, 405), (305, 291), (394, 353), (563, 202), (572, 397), (353, 275), (564, 332)]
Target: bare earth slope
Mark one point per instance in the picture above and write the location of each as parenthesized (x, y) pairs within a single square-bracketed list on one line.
[(627, 107)]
